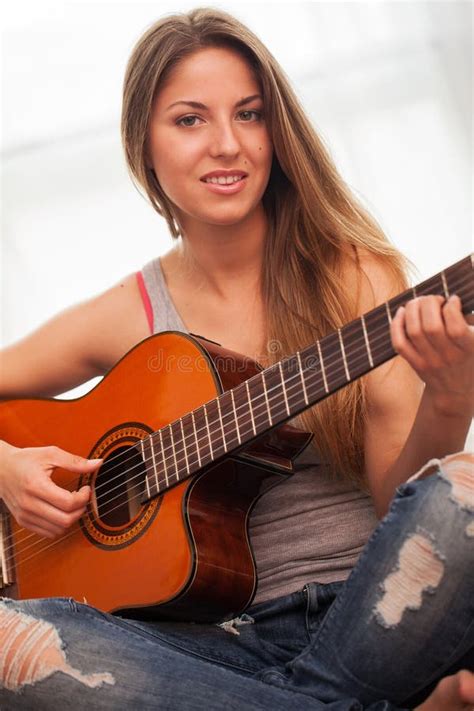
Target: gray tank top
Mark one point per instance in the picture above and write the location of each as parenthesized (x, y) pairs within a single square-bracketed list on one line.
[(309, 527)]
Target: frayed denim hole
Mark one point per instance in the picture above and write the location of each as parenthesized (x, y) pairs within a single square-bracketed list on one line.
[(403, 490)]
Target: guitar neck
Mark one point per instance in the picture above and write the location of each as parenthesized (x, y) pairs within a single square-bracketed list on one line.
[(282, 391)]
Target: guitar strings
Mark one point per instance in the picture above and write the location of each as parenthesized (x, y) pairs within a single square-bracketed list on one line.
[(62, 538), (230, 417), (40, 540), (162, 481), (308, 382), (169, 458)]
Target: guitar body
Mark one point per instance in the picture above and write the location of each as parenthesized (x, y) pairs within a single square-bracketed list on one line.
[(191, 435), (183, 554)]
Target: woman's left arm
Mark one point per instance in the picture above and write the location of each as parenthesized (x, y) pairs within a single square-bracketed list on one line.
[(408, 423)]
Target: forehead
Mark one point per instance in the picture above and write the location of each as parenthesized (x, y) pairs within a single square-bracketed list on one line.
[(216, 70)]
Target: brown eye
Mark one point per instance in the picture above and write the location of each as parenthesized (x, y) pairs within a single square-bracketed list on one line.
[(187, 121), (250, 114)]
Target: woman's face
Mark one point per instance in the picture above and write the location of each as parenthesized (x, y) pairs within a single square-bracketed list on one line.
[(208, 142)]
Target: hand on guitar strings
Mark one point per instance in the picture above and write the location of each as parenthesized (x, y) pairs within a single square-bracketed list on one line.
[(32, 497)]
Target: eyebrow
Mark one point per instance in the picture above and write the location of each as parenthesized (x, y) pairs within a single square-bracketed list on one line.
[(198, 105)]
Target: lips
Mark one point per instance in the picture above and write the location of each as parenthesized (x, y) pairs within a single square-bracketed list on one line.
[(223, 177), (229, 184)]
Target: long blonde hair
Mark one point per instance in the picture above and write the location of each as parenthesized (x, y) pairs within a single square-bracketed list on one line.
[(315, 223)]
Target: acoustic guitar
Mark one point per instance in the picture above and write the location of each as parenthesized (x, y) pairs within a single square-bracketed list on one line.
[(191, 435)]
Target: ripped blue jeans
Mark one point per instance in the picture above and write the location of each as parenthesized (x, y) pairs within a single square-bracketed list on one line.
[(379, 641)]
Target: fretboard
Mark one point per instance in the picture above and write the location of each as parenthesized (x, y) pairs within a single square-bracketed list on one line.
[(280, 392)]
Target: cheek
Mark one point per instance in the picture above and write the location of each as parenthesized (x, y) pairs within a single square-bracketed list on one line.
[(265, 150), (169, 168), (266, 157), (172, 160)]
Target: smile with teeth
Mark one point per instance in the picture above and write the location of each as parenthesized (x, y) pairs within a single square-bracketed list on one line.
[(224, 180)]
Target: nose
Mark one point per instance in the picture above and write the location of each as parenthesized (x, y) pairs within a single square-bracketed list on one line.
[(224, 141)]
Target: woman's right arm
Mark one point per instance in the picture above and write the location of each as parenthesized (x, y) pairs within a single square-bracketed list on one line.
[(78, 344), (82, 342)]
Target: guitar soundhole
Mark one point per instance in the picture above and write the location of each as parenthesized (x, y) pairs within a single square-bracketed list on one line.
[(119, 487)]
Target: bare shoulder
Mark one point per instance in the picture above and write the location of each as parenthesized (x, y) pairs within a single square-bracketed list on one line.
[(118, 315), (371, 279), (79, 343)]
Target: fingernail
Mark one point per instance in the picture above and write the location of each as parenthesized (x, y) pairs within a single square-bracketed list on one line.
[(96, 461)]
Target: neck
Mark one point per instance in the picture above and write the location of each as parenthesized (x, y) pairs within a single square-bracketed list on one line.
[(226, 258)]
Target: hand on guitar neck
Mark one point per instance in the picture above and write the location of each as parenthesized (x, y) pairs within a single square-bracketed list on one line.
[(28, 491)]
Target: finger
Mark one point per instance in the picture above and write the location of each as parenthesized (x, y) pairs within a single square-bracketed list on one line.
[(61, 498), (457, 325), (57, 457), (400, 341), (37, 525), (433, 325), (56, 517), (415, 332)]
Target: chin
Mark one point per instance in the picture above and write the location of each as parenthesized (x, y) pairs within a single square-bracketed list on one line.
[(228, 219)]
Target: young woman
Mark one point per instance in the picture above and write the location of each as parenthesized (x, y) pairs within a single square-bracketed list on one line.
[(271, 252)]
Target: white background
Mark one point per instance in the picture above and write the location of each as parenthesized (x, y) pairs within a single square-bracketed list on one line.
[(387, 84)]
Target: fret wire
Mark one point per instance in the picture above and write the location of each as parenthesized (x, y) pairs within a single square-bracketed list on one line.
[(389, 315), (184, 445), (196, 438), (250, 406), (376, 323), (269, 414), (367, 344), (445, 285), (208, 431), (284, 388), (231, 432), (189, 437), (235, 416), (323, 370), (302, 379), (201, 429), (147, 483), (343, 351), (163, 457), (241, 407), (221, 423), (414, 292), (174, 453)]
